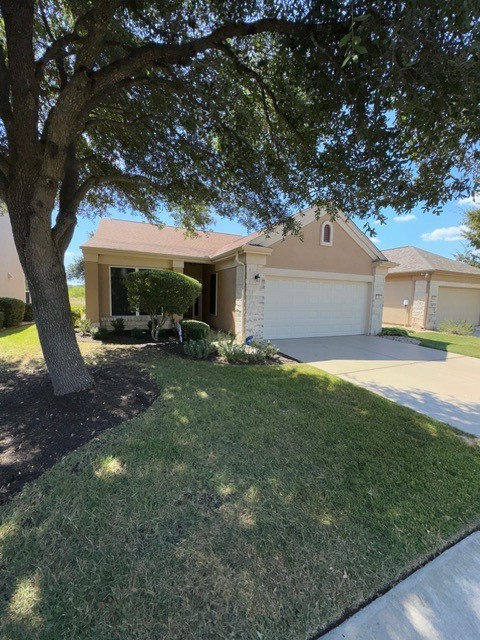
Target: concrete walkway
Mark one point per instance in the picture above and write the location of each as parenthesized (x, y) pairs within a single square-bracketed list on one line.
[(445, 386), (441, 601)]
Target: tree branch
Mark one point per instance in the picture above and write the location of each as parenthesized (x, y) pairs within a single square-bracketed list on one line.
[(142, 57)]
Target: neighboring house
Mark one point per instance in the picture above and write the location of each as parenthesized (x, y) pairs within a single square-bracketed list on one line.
[(330, 283), (12, 279), (426, 289)]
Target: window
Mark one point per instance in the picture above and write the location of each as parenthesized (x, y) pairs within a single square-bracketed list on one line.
[(120, 306), (327, 234), (213, 294)]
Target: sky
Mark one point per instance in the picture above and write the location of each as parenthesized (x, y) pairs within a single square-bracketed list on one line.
[(438, 234)]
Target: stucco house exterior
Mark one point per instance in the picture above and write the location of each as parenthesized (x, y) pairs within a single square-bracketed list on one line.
[(12, 278), (328, 283), (426, 289)]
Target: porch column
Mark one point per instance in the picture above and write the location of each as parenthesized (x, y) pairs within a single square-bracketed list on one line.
[(255, 295), (376, 310), (92, 310), (178, 266), (419, 303), (432, 301)]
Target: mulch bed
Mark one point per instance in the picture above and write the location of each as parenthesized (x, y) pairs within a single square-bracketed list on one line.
[(38, 428)]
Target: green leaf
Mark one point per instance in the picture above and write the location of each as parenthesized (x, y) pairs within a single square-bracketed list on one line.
[(363, 18), (345, 39), (360, 49), (347, 60)]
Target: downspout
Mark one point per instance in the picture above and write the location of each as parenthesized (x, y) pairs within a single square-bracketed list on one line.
[(244, 292)]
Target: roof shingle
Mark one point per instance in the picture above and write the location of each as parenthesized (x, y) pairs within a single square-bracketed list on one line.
[(412, 259)]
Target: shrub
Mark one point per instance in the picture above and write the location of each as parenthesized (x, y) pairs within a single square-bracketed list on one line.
[(254, 353), (28, 315), (118, 326), (13, 311), (194, 330), (2, 319), (161, 293), (85, 326), (198, 349), (99, 333), (77, 313), (393, 331), (462, 328)]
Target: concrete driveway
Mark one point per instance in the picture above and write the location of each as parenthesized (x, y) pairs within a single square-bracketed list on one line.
[(445, 386)]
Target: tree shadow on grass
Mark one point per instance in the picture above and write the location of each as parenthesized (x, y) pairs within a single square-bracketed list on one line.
[(250, 501)]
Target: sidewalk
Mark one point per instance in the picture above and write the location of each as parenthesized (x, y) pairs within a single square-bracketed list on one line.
[(440, 601)]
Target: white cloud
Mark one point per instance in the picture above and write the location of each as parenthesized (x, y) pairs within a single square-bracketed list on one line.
[(448, 234), (471, 200), (71, 254), (406, 218), (375, 240)]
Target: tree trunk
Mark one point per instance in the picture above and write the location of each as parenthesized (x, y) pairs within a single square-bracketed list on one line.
[(51, 308), (42, 261)]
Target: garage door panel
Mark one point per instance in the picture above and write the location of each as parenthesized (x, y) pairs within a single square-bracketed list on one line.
[(458, 304), (300, 308)]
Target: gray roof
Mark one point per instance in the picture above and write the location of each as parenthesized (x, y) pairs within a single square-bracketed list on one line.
[(413, 259)]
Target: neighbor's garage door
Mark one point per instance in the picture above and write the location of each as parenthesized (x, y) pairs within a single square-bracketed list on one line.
[(301, 308), (458, 304)]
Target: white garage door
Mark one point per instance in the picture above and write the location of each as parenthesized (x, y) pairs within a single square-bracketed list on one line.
[(458, 304), (301, 307)]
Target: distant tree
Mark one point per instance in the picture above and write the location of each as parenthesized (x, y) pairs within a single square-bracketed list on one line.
[(76, 269), (471, 254), (247, 108), (161, 294)]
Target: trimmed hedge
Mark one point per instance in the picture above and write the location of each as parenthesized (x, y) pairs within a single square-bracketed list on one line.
[(194, 330), (13, 310), (394, 331), (28, 315), (2, 318)]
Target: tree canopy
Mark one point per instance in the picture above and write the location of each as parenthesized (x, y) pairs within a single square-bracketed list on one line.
[(471, 233), (247, 108)]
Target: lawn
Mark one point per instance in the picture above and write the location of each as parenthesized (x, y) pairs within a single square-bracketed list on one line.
[(77, 295), (465, 345), (246, 502)]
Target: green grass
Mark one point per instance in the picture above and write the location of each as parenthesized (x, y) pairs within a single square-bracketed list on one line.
[(465, 345), (20, 346), (247, 502), (77, 295)]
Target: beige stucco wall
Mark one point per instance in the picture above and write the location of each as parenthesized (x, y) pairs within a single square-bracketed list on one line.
[(12, 279), (344, 256), (462, 279), (396, 291), (226, 297), (97, 277)]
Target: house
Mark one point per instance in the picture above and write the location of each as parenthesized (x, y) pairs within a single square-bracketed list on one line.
[(426, 289), (12, 278), (328, 283)]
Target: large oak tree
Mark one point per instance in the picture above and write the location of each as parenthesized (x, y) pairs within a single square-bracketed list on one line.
[(247, 108)]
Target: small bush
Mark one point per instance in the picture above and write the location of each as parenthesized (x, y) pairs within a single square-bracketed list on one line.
[(85, 326), (136, 333), (150, 324), (2, 319), (393, 331), (28, 315), (194, 330), (77, 313), (462, 328), (118, 326), (254, 353), (99, 333), (13, 311), (198, 349)]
